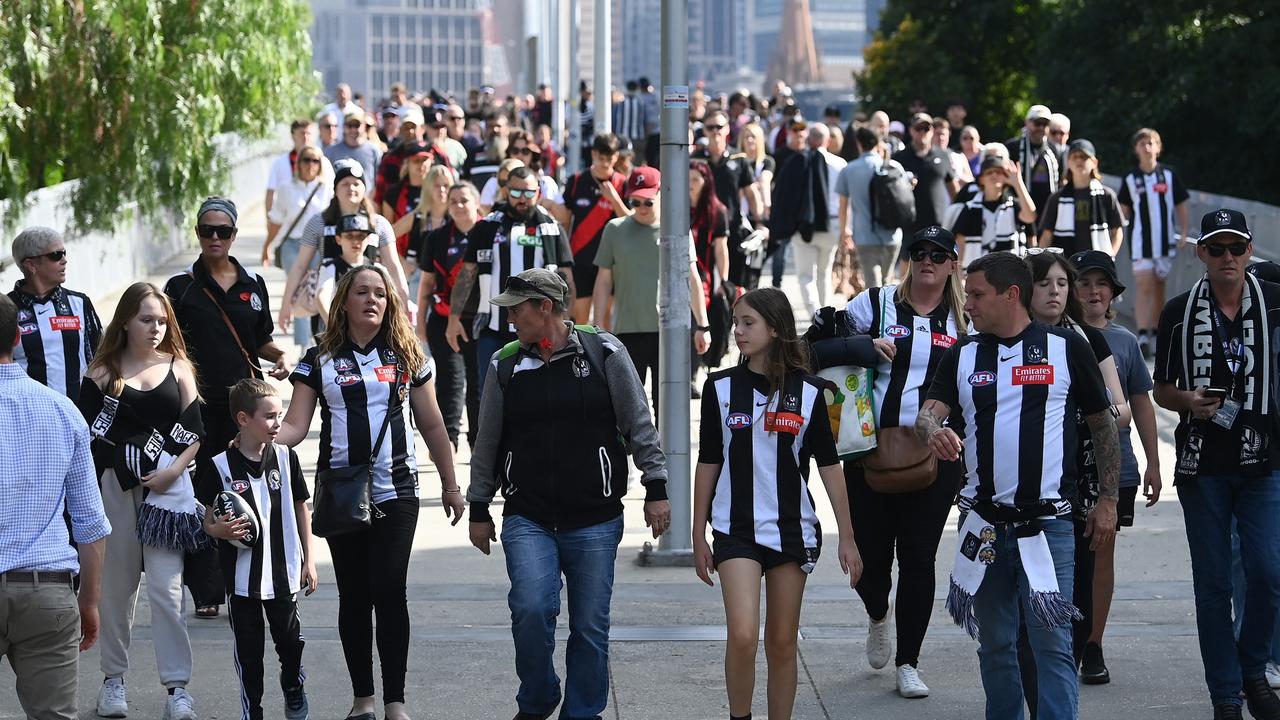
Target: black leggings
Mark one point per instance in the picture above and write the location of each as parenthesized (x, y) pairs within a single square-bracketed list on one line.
[(371, 567), (454, 372), (645, 355), (912, 523)]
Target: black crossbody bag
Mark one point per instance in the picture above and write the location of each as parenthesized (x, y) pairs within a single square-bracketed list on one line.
[(343, 501)]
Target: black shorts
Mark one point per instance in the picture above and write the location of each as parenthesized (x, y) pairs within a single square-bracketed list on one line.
[(726, 547), (1124, 507), (584, 279)]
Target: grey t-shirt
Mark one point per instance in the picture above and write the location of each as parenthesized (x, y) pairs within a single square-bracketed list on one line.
[(367, 155), (1134, 379)]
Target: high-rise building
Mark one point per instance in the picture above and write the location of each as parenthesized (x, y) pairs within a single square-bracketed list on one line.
[(839, 31)]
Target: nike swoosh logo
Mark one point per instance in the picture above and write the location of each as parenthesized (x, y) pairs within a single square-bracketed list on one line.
[(1007, 359)]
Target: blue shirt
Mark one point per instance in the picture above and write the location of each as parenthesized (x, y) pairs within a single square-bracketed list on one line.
[(45, 466), (854, 182)]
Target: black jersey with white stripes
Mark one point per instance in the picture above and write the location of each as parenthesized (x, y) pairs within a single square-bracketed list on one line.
[(354, 388), (59, 335), (1014, 403), (502, 245)]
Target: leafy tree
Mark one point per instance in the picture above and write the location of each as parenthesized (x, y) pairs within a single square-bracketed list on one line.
[(127, 96)]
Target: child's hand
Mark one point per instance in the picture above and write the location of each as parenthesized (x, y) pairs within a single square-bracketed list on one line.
[(226, 527), (309, 577)]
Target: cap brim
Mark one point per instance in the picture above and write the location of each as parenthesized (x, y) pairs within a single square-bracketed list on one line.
[(643, 193), (940, 245), (1116, 288), (1220, 231), (509, 299)]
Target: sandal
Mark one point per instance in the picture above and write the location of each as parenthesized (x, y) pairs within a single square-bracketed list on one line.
[(207, 612)]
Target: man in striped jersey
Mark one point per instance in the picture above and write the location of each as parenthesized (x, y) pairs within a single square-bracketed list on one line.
[(59, 327), (1012, 393), (1151, 196)]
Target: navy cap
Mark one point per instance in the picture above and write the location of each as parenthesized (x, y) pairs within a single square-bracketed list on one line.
[(1097, 260), (1083, 146), (1224, 221), (936, 235)]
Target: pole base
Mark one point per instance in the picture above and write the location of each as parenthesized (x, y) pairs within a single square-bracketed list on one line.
[(650, 556)]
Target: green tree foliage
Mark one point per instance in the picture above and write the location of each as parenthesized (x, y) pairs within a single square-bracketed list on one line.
[(980, 51), (127, 96)]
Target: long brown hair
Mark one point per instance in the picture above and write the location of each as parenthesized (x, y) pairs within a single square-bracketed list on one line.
[(396, 327), (115, 341), (786, 353), (1040, 264)]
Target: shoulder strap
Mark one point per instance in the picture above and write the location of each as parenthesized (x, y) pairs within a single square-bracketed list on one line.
[(507, 358), (301, 212), (254, 370), (593, 347)]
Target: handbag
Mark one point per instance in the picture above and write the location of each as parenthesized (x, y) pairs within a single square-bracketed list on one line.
[(343, 500), (901, 463)]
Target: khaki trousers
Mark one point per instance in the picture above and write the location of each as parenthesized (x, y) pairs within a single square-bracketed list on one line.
[(40, 635)]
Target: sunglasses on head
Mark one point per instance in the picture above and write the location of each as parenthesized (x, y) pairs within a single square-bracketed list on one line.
[(223, 232), (1219, 249), (1028, 252), (517, 193), (519, 284), (640, 203), (56, 255), (937, 257)]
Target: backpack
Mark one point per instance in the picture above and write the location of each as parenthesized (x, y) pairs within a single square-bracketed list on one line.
[(893, 202)]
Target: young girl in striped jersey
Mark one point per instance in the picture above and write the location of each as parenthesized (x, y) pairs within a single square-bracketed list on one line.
[(762, 420)]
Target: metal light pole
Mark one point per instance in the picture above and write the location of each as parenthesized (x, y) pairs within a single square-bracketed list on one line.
[(676, 545), (573, 153), (604, 67)]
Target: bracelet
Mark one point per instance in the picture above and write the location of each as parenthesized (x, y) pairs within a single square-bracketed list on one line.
[(450, 491)]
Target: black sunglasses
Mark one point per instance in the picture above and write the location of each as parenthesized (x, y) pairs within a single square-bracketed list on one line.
[(224, 232), (521, 151), (1042, 122), (519, 284), (937, 257), (56, 255), (713, 128), (310, 161), (640, 203), (1218, 250), (356, 124)]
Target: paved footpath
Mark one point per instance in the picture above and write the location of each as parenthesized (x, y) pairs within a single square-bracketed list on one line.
[(668, 632)]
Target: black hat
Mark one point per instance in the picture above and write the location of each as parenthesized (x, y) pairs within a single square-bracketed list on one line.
[(991, 162), (353, 223), (1086, 260), (936, 235), (1083, 146), (345, 168), (1265, 270), (1224, 221)]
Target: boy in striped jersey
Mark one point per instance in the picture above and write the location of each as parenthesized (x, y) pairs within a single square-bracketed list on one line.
[(266, 577)]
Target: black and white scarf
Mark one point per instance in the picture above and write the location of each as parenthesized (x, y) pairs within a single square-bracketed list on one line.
[(1000, 228), (1026, 156), (1203, 352), (130, 447), (1064, 225)]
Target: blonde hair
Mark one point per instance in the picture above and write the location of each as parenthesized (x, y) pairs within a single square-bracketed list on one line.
[(115, 340), (426, 198), (757, 132), (308, 151), (952, 295), (395, 325)]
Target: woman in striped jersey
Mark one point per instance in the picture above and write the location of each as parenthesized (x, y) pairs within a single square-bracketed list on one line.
[(762, 421), (909, 327)]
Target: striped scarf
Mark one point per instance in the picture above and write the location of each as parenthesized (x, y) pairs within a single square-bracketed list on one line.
[(1025, 155), (1000, 228), (1064, 225)]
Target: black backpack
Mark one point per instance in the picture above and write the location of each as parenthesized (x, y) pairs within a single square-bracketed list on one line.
[(893, 202)]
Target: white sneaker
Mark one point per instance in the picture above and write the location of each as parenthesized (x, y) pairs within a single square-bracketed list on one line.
[(1273, 675), (180, 706), (909, 683), (111, 699), (878, 644)]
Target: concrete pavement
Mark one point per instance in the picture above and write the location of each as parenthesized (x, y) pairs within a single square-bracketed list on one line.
[(667, 650)]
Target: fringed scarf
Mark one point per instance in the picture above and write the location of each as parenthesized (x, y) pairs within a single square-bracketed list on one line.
[(1064, 225), (1000, 228), (1025, 155), (131, 447), (977, 550), (1204, 349)]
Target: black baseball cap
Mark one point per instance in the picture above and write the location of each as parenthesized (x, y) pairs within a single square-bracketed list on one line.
[(1265, 270), (935, 235), (1224, 221), (1083, 146), (353, 223), (1086, 260)]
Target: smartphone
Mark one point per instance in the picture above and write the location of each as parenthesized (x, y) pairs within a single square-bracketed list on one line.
[(1215, 392)]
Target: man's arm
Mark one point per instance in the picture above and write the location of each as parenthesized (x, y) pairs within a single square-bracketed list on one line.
[(462, 288), (1100, 525), (600, 296)]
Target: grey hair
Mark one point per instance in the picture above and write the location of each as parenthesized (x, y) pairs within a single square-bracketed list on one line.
[(33, 242), (819, 130)]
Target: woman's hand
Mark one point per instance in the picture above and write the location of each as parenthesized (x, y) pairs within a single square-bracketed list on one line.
[(703, 563), (850, 560), (160, 480), (1151, 484), (885, 349), (453, 505), (310, 579), (285, 317), (279, 370)]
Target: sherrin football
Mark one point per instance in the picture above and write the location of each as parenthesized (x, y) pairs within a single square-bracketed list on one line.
[(229, 503)]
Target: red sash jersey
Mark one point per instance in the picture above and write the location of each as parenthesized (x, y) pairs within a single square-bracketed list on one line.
[(403, 199), (591, 212)]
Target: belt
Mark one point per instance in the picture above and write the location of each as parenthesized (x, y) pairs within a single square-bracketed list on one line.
[(38, 577)]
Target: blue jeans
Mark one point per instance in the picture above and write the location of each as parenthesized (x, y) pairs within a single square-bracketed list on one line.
[(1209, 505), (487, 343), (1000, 605), (288, 254), (536, 559), (1238, 587)]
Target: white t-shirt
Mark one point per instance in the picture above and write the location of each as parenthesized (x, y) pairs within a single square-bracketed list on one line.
[(290, 199)]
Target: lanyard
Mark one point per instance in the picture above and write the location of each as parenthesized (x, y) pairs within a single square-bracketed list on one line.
[(1232, 344)]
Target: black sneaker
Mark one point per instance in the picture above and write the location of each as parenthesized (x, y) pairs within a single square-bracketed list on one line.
[(1261, 699), (1093, 668), (1227, 711), (295, 704)]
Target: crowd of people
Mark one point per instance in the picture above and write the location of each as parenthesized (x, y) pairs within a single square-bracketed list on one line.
[(450, 276)]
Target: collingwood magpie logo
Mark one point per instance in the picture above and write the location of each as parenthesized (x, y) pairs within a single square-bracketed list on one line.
[(273, 479), (1223, 218), (580, 368), (1035, 354)]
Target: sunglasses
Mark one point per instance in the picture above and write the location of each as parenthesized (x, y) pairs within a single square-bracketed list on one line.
[(922, 127), (223, 232), (310, 161), (937, 257), (521, 151), (1218, 250), (1028, 252), (519, 284), (328, 126), (713, 128), (641, 203), (517, 193), (355, 125), (1057, 133), (1040, 123), (56, 255)]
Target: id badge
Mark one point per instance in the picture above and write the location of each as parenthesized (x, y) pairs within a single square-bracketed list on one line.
[(1226, 415)]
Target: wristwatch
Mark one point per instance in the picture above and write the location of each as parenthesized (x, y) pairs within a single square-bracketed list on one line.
[(702, 328)]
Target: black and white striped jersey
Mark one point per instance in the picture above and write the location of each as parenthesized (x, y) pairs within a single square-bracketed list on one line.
[(1014, 402), (921, 340), (60, 333), (354, 390), (763, 444), (502, 245), (1152, 197), (271, 486)]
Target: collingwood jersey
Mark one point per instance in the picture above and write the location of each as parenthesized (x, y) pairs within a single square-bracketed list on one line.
[(1014, 403), (354, 388), (272, 569), (900, 386), (1152, 197), (502, 246), (763, 444), (60, 333)]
